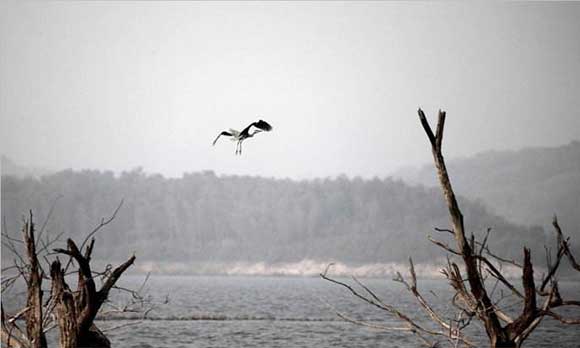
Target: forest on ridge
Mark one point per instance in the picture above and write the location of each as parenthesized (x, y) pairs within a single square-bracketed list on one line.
[(202, 217)]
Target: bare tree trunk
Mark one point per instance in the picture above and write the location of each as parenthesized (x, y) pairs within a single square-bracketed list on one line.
[(94, 338), (34, 328), (65, 307), (76, 312), (72, 311), (486, 311), (471, 295)]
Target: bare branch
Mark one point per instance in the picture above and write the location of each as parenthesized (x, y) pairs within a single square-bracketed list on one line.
[(440, 126), (412, 326), (561, 318), (102, 224), (412, 287), (10, 333), (112, 279), (564, 244), (48, 216), (497, 274), (443, 246), (444, 230), (427, 128)]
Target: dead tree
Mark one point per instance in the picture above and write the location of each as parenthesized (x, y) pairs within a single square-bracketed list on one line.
[(447, 329), (472, 299), (30, 270), (73, 312), (76, 311)]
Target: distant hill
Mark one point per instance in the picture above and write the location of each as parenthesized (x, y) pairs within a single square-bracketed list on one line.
[(527, 186), (205, 218)]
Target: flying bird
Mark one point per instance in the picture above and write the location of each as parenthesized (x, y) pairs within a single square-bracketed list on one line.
[(248, 132)]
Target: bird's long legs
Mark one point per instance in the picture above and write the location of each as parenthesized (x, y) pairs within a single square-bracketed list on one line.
[(239, 147)]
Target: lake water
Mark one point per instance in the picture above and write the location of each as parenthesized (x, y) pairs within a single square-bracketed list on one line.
[(236, 311), (288, 312)]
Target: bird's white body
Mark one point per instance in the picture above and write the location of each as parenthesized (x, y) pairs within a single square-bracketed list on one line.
[(235, 134), (248, 132)]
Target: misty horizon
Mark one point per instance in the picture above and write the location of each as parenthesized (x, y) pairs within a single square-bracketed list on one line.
[(117, 86), (430, 148), (33, 170)]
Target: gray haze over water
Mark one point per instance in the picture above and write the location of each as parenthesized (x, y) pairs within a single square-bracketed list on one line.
[(116, 85), (121, 85)]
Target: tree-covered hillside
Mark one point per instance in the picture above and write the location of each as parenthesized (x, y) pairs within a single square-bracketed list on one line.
[(528, 186), (206, 218)]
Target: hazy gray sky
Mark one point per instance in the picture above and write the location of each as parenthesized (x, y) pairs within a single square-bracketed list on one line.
[(115, 85)]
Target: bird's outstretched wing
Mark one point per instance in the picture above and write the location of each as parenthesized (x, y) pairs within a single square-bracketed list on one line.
[(228, 134), (261, 125)]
